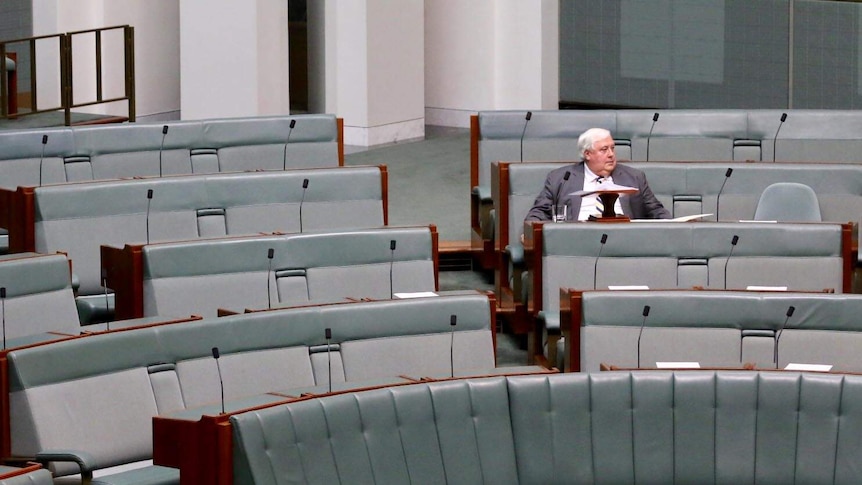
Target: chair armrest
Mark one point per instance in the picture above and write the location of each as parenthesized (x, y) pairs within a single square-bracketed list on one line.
[(86, 462), (484, 193), (516, 253)]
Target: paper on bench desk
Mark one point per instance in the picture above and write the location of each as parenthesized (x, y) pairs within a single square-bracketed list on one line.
[(809, 367), (677, 365), (415, 294)]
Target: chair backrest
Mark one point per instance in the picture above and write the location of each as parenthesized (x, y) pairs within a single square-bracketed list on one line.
[(788, 202)]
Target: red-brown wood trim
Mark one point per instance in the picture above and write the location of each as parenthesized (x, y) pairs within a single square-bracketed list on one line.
[(435, 255), (124, 271), (847, 257), (384, 190)]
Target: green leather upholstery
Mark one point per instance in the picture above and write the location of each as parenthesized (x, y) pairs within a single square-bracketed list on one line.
[(199, 277), (132, 375), (717, 328), (39, 296), (611, 427), (197, 206)]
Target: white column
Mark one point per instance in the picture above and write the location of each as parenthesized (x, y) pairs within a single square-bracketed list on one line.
[(374, 69), (490, 54), (233, 58)]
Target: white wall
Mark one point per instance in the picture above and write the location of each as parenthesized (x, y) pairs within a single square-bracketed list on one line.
[(156, 24), (233, 59), (490, 54), (375, 69)]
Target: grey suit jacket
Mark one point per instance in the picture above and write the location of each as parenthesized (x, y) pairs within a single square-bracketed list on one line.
[(641, 205)]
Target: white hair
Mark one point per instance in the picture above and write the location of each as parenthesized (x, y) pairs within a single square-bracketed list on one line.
[(589, 138)]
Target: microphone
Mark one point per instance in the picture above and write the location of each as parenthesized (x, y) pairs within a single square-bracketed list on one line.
[(556, 199), (161, 147), (292, 124), (641, 332), (718, 197), (149, 199), (775, 140), (269, 255), (654, 119), (732, 246), (596, 264), (3, 306), (391, 264), (42, 157), (787, 316), (327, 333), (452, 321), (301, 200), (220, 381), (524, 132), (107, 305)]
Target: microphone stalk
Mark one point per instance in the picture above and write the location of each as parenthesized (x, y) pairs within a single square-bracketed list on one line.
[(270, 254), (149, 200), (596, 263), (301, 201), (787, 316), (733, 243), (42, 157), (452, 322), (220, 381), (727, 175), (391, 264), (290, 132), (649, 135), (162, 147), (775, 139), (641, 332), (524, 132)]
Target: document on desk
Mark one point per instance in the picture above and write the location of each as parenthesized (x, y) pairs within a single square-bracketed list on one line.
[(693, 217), (608, 187)]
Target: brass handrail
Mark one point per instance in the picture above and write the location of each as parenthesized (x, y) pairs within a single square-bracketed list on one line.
[(67, 102)]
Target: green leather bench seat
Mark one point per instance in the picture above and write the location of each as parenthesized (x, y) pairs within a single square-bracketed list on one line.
[(203, 146), (672, 255), (102, 405), (101, 152), (78, 218), (611, 427), (716, 328), (199, 277), (810, 136), (39, 296)]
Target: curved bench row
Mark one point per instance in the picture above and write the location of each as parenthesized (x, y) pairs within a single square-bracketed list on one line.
[(715, 328), (610, 427), (34, 157), (97, 411), (798, 135), (201, 277), (78, 218)]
